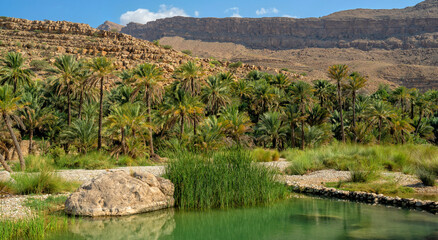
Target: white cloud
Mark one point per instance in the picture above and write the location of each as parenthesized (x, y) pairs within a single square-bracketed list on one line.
[(234, 12), (264, 11), (196, 13), (144, 15)]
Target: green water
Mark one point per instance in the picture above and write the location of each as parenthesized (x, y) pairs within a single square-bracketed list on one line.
[(297, 218)]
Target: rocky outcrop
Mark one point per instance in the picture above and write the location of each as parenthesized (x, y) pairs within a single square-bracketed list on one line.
[(4, 176), (110, 26), (117, 193), (365, 197), (415, 27), (45, 39)]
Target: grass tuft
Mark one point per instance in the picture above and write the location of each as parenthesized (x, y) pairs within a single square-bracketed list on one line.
[(265, 155), (221, 180)]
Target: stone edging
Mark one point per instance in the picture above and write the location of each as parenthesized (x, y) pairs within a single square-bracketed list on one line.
[(371, 198)]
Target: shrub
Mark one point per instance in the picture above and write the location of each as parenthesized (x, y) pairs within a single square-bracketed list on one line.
[(265, 155), (188, 52), (156, 42), (38, 183), (427, 177), (215, 63), (235, 65), (39, 65), (166, 47), (222, 180)]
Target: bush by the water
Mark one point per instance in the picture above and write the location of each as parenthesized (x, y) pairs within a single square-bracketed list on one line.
[(221, 180), (39, 183), (265, 155), (363, 159)]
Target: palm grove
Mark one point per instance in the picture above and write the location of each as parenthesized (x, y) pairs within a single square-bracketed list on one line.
[(84, 106)]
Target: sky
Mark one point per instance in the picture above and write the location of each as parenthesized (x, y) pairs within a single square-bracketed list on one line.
[(95, 12)]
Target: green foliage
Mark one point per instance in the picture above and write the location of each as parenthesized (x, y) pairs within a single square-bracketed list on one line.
[(388, 188), (166, 47), (215, 63), (235, 65), (265, 155), (427, 177), (156, 42), (188, 52), (39, 65), (38, 183), (363, 160), (222, 180)]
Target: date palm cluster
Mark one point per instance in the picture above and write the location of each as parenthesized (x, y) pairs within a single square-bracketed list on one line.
[(82, 106)]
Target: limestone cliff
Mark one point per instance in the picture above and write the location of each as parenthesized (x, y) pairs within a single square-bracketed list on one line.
[(412, 27)]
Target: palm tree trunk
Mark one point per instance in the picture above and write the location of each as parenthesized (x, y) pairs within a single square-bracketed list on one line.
[(274, 143), (14, 139), (354, 116), (412, 110), (292, 135), (181, 127), (419, 121), (30, 140), (99, 137), (5, 164), (81, 99), (151, 139), (380, 130), (194, 127), (340, 112), (68, 105), (302, 135), (122, 132)]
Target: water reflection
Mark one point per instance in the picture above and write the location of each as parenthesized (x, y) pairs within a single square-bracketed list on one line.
[(306, 218), (152, 226)]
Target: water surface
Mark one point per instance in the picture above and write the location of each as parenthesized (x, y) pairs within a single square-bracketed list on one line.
[(297, 218)]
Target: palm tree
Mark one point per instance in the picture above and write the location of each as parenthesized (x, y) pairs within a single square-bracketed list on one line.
[(34, 116), (236, 124), (324, 91), (293, 115), (13, 72), (271, 128), (180, 107), (9, 104), (302, 95), (401, 126), (215, 95), (380, 113), (83, 87), (355, 82), (102, 68), (211, 135), (67, 69), (338, 73), (264, 98), (190, 75), (148, 78), (401, 94), (81, 133)]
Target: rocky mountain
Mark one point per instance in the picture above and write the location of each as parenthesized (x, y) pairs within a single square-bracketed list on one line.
[(110, 26), (412, 27), (41, 41)]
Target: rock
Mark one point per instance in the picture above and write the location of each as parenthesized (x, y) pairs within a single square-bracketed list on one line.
[(4, 176), (117, 193)]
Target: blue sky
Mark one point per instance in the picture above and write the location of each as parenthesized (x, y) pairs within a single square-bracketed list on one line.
[(96, 12)]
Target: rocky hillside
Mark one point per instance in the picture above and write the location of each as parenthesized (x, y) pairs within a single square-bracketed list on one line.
[(412, 27), (110, 26), (44, 40)]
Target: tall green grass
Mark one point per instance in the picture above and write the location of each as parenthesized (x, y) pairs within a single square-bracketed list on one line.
[(265, 155), (40, 226), (222, 179), (401, 158), (43, 182)]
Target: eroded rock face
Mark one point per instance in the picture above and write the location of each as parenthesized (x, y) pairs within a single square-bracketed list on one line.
[(117, 193), (413, 27)]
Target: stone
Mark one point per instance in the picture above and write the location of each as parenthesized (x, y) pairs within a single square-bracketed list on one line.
[(117, 193), (4, 176)]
